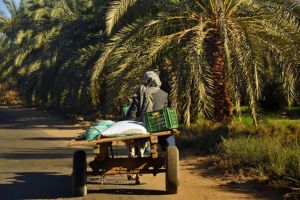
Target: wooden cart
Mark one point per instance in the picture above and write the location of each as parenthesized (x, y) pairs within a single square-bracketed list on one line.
[(105, 164)]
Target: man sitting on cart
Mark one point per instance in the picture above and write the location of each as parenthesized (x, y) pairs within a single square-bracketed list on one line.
[(149, 98)]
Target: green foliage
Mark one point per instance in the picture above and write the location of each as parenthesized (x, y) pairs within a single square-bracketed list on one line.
[(205, 135), (175, 34), (77, 56), (56, 47)]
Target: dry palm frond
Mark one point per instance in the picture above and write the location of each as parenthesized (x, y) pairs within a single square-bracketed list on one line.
[(289, 76)]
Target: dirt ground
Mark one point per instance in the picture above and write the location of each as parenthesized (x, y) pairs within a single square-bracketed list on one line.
[(35, 163)]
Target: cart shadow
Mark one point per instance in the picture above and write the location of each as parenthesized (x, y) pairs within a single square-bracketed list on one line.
[(36, 185), (112, 184), (129, 192)]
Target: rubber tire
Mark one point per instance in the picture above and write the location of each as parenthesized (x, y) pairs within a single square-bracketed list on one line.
[(79, 174), (172, 170)]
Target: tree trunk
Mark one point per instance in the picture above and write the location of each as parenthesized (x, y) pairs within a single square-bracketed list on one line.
[(223, 111)]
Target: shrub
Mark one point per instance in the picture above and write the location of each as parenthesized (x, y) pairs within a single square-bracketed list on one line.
[(203, 138), (272, 148), (272, 156)]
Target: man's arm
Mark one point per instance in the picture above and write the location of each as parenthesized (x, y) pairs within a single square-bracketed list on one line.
[(133, 109)]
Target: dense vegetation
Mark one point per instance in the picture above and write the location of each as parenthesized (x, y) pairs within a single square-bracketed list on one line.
[(271, 149), (79, 56)]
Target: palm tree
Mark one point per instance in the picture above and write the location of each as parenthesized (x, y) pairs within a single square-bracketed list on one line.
[(210, 49), (8, 23), (8, 29), (56, 43)]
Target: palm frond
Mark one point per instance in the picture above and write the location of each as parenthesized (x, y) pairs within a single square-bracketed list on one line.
[(115, 12), (289, 76), (21, 57), (284, 9), (11, 7), (44, 37), (3, 18), (22, 35), (249, 64), (201, 71), (63, 11)]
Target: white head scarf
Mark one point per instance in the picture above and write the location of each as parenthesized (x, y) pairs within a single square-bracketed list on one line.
[(152, 79)]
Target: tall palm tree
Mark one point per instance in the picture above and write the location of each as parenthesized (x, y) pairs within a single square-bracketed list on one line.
[(8, 30), (7, 23), (56, 43), (219, 44)]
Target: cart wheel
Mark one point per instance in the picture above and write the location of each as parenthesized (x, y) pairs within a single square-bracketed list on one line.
[(172, 170), (79, 174)]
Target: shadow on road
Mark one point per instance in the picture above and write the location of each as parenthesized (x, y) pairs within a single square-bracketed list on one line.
[(45, 185), (50, 138), (37, 185), (36, 126), (42, 154), (128, 192), (15, 118), (35, 155)]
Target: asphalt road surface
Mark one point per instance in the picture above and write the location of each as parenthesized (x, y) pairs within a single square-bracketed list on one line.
[(36, 164)]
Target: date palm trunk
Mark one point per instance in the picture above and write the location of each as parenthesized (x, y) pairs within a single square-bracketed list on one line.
[(223, 111)]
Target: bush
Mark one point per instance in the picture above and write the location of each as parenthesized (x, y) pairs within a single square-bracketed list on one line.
[(202, 139), (272, 156)]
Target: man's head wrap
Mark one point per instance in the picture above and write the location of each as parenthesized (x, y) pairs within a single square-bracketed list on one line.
[(152, 79)]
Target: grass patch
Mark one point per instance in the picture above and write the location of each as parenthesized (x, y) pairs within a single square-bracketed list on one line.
[(271, 149), (205, 136), (270, 155), (245, 120), (274, 157)]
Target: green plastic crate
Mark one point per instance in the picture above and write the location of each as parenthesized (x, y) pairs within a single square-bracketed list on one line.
[(160, 120)]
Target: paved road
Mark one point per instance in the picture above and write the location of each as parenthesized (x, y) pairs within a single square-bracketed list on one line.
[(35, 164)]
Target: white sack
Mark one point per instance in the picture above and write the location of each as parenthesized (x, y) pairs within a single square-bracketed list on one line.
[(125, 128)]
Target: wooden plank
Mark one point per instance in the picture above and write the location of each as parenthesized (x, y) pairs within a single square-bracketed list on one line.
[(73, 143), (116, 172)]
